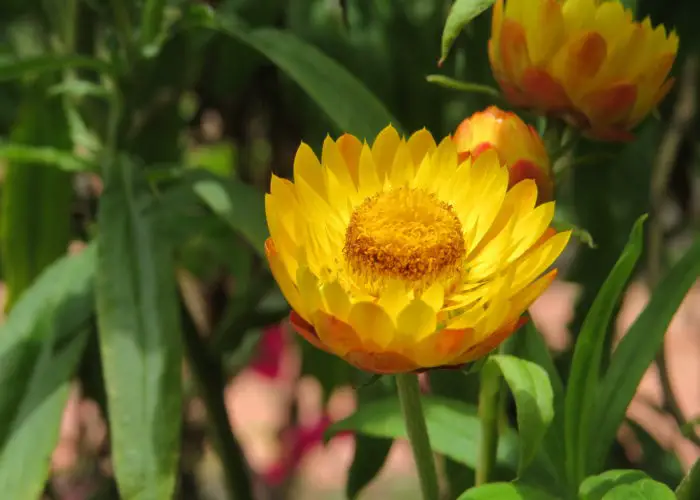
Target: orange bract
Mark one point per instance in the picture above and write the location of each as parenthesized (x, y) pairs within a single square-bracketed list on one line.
[(403, 257), (586, 61)]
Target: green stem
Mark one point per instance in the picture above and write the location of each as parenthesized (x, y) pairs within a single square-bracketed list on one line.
[(209, 375), (409, 395), (122, 21), (489, 406)]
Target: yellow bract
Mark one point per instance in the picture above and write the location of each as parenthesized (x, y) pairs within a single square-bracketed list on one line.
[(399, 257), (586, 61)]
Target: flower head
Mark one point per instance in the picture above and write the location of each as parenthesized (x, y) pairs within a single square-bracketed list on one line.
[(586, 61), (399, 257), (517, 145)]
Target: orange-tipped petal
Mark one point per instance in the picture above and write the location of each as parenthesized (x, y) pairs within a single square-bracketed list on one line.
[(307, 331), (385, 362), (588, 62)]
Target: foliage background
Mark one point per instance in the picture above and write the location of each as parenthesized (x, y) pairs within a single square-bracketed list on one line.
[(154, 126)]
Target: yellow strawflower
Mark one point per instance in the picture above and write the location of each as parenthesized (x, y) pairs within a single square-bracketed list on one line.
[(399, 257), (586, 61)]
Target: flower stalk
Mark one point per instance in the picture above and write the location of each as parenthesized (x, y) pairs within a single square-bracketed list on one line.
[(409, 396), (490, 389)]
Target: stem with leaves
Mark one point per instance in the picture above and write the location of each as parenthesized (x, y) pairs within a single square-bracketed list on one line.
[(409, 395), (209, 375)]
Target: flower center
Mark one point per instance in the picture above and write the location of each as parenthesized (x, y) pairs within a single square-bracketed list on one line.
[(405, 234)]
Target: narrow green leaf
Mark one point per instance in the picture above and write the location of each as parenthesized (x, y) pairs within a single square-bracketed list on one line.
[(583, 380), (40, 347), (344, 98), (534, 401), (451, 83), (504, 491), (461, 14), (35, 212), (636, 352), (16, 68), (240, 205), (581, 234), (45, 156), (624, 485), (151, 21), (452, 425), (140, 340), (689, 489)]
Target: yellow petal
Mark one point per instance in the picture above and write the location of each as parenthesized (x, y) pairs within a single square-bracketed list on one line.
[(415, 322), (383, 150), (333, 160), (369, 178), (309, 289), (394, 297), (434, 296), (336, 300), (372, 323), (284, 281), (403, 168), (308, 168), (420, 144)]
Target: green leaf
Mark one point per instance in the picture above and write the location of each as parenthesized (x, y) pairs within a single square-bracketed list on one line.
[(344, 98), (453, 428), (583, 380), (581, 234), (636, 352), (240, 205), (370, 452), (461, 14), (11, 68), (140, 340), (624, 485), (532, 347), (451, 83), (35, 211), (689, 488), (151, 21), (504, 491), (45, 156), (40, 347), (534, 401)]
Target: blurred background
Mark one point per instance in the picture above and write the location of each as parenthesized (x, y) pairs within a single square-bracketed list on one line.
[(221, 107)]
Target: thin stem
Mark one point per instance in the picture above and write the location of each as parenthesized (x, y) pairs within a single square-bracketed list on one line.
[(209, 375), (122, 21), (681, 121), (409, 395), (489, 406)]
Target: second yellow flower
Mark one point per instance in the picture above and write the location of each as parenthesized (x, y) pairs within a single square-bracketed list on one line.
[(586, 61)]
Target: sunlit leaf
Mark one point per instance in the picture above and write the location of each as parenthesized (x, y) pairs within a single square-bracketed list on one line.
[(140, 339), (534, 401), (582, 387), (504, 491), (40, 346), (636, 352), (461, 14), (453, 427), (624, 485)]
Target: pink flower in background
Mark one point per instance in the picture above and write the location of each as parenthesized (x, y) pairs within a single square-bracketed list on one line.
[(298, 441), (271, 350)]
